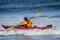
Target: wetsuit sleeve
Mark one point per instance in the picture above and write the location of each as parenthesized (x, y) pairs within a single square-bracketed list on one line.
[(23, 23)]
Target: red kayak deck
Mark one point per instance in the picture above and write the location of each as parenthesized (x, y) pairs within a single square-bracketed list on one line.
[(24, 28)]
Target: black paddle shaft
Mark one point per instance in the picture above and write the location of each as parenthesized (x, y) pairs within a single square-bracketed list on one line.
[(31, 17)]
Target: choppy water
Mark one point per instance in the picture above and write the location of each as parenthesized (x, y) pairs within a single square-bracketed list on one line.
[(40, 22), (12, 12), (22, 37)]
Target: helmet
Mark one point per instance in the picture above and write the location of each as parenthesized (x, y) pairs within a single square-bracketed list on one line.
[(25, 18)]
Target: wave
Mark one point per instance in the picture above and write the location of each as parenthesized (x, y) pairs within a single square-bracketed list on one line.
[(27, 2), (29, 7), (38, 21), (30, 32), (56, 16), (25, 5)]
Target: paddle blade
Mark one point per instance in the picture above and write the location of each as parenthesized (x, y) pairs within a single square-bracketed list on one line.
[(12, 27), (37, 15)]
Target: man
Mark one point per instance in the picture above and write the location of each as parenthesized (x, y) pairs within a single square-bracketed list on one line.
[(27, 23)]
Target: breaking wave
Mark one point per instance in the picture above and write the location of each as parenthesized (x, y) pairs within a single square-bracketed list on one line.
[(30, 32)]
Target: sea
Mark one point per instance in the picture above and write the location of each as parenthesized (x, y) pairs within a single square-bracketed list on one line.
[(12, 12)]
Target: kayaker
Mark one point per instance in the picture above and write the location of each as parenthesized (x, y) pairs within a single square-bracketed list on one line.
[(27, 23)]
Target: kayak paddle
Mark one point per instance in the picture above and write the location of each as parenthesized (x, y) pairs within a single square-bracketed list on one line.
[(36, 15), (10, 28)]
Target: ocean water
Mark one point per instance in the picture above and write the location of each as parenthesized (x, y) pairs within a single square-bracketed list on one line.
[(22, 37), (50, 34), (12, 12)]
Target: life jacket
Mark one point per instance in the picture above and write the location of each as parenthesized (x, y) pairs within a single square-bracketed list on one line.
[(26, 23)]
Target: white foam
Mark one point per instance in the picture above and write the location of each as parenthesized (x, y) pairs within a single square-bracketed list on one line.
[(31, 32), (3, 33)]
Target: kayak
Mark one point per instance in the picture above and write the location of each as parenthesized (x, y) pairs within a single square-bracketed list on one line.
[(24, 28)]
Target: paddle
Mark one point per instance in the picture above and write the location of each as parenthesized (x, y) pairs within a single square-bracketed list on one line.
[(36, 15), (12, 27)]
